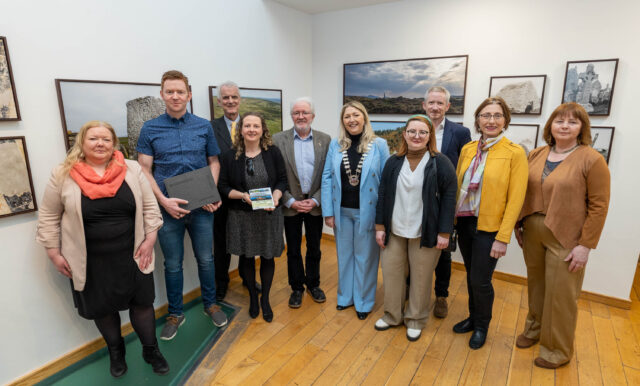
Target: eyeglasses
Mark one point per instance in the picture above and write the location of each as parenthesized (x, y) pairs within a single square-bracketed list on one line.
[(487, 116), (302, 113), (419, 133), (249, 164)]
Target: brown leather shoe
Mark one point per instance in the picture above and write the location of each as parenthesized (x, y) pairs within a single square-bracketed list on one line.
[(441, 309), (524, 342), (545, 364)]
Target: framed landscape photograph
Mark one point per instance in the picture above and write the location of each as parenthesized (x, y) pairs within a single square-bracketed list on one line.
[(16, 186), (265, 100), (602, 139), (525, 135), (389, 130), (524, 93), (124, 105), (398, 86), (9, 110), (590, 83)]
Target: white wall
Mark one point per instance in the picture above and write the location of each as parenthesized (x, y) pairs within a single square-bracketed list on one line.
[(255, 43), (506, 37)]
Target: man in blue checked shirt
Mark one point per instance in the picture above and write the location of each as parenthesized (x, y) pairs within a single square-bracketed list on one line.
[(174, 143)]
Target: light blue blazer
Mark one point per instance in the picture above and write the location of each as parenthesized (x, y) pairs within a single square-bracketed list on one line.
[(369, 181)]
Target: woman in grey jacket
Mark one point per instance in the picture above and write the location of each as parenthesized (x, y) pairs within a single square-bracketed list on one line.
[(418, 179)]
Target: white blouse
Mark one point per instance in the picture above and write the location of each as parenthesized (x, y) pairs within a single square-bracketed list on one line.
[(406, 220)]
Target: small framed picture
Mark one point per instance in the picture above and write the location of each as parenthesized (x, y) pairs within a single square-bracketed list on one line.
[(525, 135), (9, 110), (602, 139), (590, 83), (524, 94), (391, 131), (16, 186)]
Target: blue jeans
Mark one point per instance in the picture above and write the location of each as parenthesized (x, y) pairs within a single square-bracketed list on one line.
[(199, 224)]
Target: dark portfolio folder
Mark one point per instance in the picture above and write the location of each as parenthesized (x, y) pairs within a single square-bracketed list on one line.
[(197, 187)]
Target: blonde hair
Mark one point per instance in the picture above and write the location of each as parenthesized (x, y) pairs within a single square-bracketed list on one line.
[(265, 139), (75, 154), (367, 131)]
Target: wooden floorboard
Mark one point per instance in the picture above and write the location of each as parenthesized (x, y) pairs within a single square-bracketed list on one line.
[(316, 344)]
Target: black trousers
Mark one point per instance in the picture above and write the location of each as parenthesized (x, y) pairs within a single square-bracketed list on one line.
[(475, 247), (309, 273), (443, 275), (222, 259)]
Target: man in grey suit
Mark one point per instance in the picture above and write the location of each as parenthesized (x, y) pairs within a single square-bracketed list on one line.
[(304, 152)]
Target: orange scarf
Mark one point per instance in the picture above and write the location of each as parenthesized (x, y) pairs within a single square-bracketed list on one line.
[(95, 186)]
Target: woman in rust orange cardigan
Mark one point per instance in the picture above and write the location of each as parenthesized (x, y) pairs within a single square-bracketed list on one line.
[(561, 220)]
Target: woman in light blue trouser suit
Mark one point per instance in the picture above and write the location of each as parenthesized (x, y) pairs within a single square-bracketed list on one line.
[(350, 182)]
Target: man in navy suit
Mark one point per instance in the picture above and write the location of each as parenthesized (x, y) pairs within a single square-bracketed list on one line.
[(450, 138)]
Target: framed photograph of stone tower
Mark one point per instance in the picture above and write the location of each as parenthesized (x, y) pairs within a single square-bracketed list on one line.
[(124, 105), (590, 83), (9, 110), (16, 186), (524, 93)]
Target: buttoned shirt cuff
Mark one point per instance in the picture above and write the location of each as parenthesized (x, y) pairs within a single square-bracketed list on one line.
[(290, 202), (316, 201)]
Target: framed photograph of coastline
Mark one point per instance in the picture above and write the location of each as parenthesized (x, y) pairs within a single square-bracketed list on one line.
[(16, 186), (525, 135), (268, 101), (398, 86), (389, 130), (524, 93), (602, 139), (124, 105), (590, 83), (9, 109)]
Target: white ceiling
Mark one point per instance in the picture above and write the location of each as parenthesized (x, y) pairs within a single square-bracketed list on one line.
[(320, 6)]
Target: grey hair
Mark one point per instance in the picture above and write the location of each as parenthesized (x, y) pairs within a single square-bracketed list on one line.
[(306, 100), (438, 89), (227, 84)]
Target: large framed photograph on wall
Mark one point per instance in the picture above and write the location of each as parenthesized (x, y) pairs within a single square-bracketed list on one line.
[(9, 109), (524, 134), (524, 94), (268, 101), (124, 105), (590, 83), (398, 86), (16, 186)]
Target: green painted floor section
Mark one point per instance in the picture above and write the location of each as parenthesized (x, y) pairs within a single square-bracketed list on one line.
[(194, 339)]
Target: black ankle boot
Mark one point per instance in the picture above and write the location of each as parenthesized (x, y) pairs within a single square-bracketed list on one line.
[(153, 356), (116, 356), (254, 305), (267, 313)]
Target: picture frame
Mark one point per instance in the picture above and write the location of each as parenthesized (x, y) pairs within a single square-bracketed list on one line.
[(602, 140), (524, 134), (390, 131), (399, 86), (524, 94), (124, 105), (591, 83), (17, 195), (268, 101), (9, 108)]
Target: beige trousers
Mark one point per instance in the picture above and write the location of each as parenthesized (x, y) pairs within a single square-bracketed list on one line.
[(402, 253), (553, 292)]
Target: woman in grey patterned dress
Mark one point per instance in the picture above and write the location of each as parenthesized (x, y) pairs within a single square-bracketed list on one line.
[(253, 162)]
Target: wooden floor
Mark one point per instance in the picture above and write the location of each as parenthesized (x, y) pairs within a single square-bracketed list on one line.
[(316, 344)]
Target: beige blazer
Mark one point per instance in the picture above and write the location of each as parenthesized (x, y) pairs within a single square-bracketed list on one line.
[(60, 223), (284, 142)]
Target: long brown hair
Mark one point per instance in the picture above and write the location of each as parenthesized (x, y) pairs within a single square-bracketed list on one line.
[(75, 154), (431, 145), (569, 109), (265, 139)]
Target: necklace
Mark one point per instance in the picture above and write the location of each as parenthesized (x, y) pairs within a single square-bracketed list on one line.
[(354, 179), (553, 148)]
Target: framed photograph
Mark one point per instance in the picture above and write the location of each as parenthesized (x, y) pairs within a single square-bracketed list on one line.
[(590, 83), (525, 135), (602, 139), (16, 186), (524, 93), (389, 130), (124, 105), (268, 101), (398, 86), (9, 110)]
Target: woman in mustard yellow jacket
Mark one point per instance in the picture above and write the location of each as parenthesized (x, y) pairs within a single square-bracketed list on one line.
[(492, 181)]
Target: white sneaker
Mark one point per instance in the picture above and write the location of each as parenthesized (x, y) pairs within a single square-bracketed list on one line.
[(381, 325), (413, 334)]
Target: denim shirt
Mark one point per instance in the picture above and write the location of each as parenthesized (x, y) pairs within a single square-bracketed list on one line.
[(177, 145)]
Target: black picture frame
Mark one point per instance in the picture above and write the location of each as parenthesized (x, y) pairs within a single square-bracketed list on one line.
[(602, 140), (17, 195), (524, 94), (528, 140), (251, 101), (11, 110), (587, 87)]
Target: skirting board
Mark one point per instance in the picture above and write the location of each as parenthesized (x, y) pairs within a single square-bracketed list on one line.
[(511, 278)]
